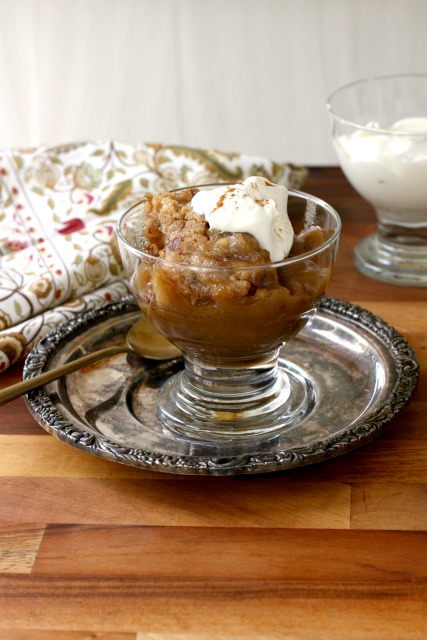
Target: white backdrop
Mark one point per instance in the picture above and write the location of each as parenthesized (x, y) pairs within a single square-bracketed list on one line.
[(238, 75)]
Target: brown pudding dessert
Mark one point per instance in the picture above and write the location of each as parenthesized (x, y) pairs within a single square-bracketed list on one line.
[(218, 292)]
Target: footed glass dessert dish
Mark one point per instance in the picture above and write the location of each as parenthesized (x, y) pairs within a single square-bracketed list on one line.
[(219, 297), (379, 131)]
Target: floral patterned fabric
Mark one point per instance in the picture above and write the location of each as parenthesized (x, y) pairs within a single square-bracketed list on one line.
[(58, 211)]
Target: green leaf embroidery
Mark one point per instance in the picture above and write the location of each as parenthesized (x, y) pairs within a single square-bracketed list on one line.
[(163, 157), (184, 171), (114, 269), (211, 160), (120, 192), (18, 161)]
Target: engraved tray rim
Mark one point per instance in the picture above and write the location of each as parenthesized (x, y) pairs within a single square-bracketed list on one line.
[(52, 420)]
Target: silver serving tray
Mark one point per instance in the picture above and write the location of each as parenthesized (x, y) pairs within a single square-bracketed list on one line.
[(362, 370)]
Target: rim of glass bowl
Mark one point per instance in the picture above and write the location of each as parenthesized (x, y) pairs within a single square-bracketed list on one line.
[(286, 261), (371, 80)]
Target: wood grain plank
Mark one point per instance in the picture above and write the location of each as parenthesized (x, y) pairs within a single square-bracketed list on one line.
[(389, 506), (14, 416), (345, 557), (33, 456), (15, 419), (399, 459), (381, 460), (38, 634), (11, 375), (19, 544), (246, 609), (272, 501), (412, 424)]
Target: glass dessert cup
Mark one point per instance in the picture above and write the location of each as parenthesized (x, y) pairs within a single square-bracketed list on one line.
[(231, 322), (389, 169)]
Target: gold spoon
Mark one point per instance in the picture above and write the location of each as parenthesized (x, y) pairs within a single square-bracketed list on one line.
[(142, 338)]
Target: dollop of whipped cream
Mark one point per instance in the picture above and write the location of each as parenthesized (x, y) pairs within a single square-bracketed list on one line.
[(255, 206), (365, 145)]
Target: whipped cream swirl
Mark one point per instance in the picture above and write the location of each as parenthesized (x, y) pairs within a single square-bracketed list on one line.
[(255, 206)]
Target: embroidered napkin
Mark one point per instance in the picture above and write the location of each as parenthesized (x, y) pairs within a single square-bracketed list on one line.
[(58, 211)]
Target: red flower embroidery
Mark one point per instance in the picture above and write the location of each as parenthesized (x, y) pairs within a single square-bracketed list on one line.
[(88, 197), (72, 225), (15, 244)]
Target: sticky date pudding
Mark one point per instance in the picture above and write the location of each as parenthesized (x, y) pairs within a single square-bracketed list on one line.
[(218, 292)]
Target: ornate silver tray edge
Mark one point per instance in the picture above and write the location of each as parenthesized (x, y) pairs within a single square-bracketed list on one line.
[(45, 413)]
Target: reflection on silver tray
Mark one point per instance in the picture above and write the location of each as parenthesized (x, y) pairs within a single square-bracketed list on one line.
[(363, 373)]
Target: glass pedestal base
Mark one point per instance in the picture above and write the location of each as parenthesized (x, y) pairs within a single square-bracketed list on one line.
[(207, 416), (392, 262)]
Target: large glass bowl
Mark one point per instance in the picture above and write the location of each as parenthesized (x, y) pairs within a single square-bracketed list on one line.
[(231, 322), (388, 167)]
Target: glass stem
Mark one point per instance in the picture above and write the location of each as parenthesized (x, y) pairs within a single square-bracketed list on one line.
[(229, 383)]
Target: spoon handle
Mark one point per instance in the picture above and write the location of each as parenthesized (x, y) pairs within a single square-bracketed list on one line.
[(16, 390)]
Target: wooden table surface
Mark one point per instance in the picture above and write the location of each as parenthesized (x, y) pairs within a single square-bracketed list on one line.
[(336, 550)]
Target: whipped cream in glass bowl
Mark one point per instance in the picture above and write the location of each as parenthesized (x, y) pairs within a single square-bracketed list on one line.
[(230, 274), (379, 131)]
